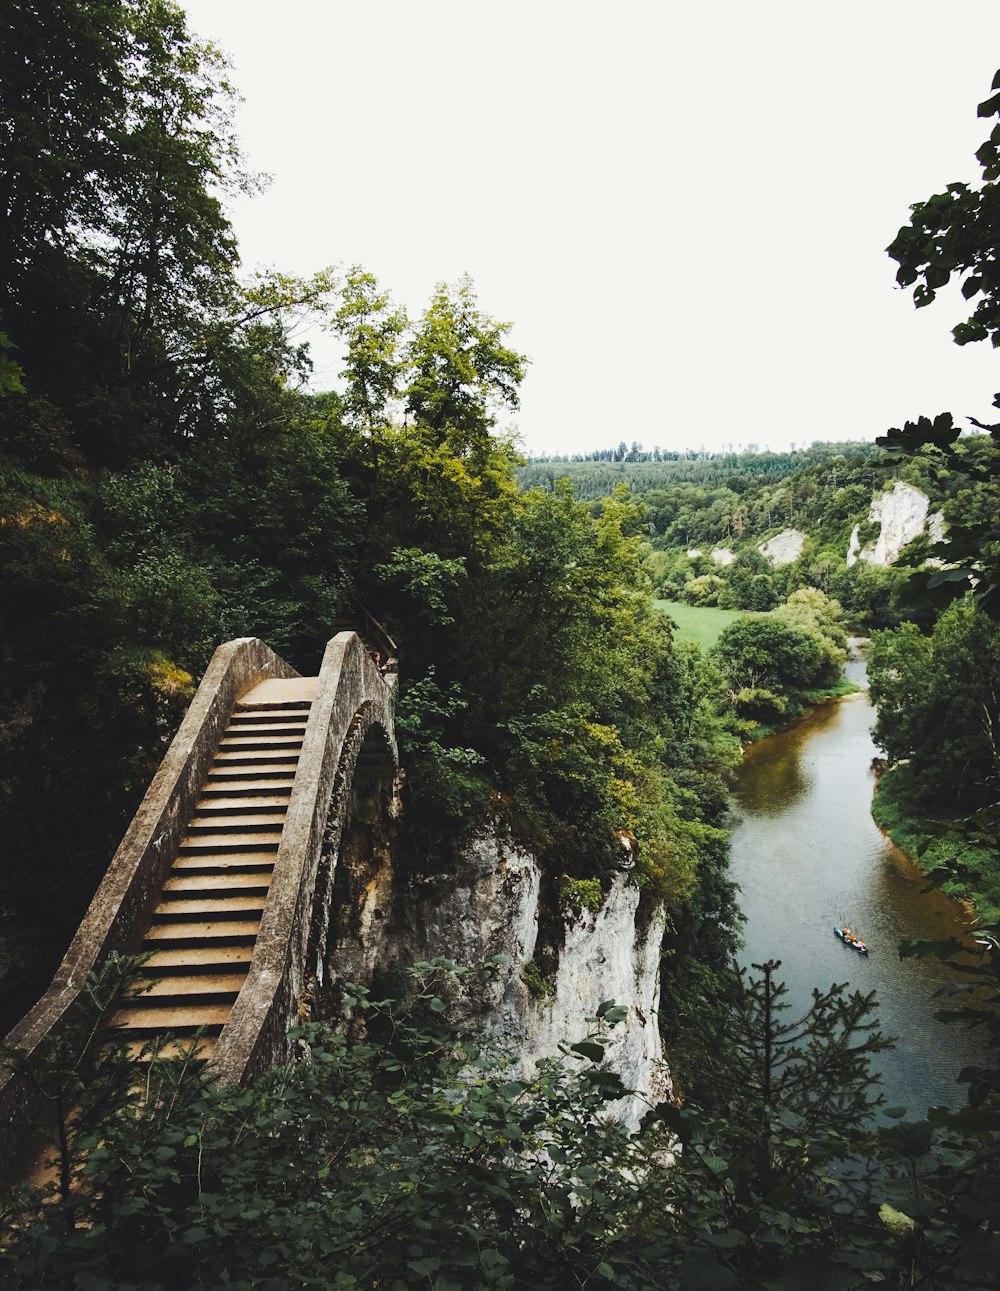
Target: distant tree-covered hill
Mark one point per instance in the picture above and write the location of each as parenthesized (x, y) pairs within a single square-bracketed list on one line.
[(596, 474)]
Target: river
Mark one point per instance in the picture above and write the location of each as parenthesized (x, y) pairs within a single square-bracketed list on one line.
[(808, 855)]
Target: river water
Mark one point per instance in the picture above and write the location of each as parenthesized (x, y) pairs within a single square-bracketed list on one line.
[(808, 855)]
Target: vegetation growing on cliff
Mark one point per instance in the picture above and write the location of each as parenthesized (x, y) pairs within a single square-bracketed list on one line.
[(410, 1156)]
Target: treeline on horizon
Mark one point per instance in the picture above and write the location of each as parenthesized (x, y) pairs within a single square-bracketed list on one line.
[(595, 474)]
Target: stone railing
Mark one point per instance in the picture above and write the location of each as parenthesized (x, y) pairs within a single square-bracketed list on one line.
[(120, 913)]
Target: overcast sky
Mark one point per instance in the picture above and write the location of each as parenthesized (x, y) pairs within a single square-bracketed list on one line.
[(682, 207)]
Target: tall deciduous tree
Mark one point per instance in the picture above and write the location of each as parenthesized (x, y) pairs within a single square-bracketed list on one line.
[(461, 370), (372, 329), (62, 84)]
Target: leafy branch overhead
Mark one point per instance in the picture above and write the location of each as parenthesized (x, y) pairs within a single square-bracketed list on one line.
[(956, 234)]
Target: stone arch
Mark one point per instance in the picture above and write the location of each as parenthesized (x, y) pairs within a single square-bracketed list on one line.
[(363, 803)]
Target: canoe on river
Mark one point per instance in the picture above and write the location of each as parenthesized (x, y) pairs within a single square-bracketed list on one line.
[(849, 939)]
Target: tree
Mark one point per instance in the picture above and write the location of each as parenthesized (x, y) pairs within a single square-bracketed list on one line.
[(938, 701), (460, 370), (766, 664), (61, 84), (372, 329), (808, 610), (407, 1152), (954, 233)]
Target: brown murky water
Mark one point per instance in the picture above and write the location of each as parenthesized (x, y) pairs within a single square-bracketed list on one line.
[(808, 855)]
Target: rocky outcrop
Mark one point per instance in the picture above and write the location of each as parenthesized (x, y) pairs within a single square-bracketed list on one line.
[(560, 964), (723, 556), (902, 515), (784, 547)]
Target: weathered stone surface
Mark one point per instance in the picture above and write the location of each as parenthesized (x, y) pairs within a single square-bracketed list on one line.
[(723, 555), (784, 547), (120, 912), (902, 515), (335, 906), (352, 710), (494, 904)]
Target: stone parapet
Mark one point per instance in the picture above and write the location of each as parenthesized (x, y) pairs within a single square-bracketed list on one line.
[(120, 912)]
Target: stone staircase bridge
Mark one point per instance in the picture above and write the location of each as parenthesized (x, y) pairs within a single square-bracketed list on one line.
[(224, 879)]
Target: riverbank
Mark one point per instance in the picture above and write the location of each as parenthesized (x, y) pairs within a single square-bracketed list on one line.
[(803, 702), (936, 846)]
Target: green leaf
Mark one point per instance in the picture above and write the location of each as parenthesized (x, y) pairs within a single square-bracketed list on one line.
[(424, 1268), (588, 1049), (702, 1272), (989, 106)]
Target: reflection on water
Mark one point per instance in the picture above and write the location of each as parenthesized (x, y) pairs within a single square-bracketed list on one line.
[(808, 855)]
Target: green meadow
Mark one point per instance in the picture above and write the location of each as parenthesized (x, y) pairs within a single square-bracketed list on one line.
[(700, 623)]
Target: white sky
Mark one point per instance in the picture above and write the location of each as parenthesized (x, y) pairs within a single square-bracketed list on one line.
[(681, 206)]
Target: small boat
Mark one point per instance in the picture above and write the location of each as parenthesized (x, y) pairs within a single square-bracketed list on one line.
[(849, 939)]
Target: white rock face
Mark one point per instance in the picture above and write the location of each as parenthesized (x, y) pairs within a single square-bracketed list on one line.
[(492, 907), (605, 957), (784, 547), (902, 514), (723, 556), (694, 553), (936, 526)]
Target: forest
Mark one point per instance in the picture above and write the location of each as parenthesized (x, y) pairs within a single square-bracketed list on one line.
[(168, 481)]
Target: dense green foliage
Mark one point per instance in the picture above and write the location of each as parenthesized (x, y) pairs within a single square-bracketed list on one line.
[(410, 1154), (772, 662), (165, 483), (707, 520)]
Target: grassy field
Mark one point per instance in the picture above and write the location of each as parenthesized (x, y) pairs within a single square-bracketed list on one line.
[(702, 624)]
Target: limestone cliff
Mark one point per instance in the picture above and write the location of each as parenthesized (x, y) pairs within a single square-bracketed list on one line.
[(784, 547), (560, 964), (902, 515)]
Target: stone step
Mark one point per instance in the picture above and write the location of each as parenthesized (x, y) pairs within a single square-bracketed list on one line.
[(280, 690), (260, 841), (231, 883), (210, 907), (276, 725), (195, 932), (199, 1047), (220, 986), (282, 773), (202, 959), (263, 739), (181, 1021), (233, 804), (278, 748), (220, 862), (235, 822), (249, 757), (274, 713)]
